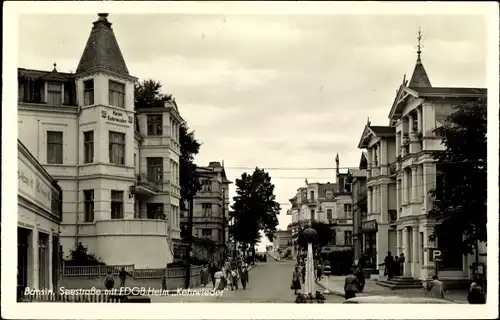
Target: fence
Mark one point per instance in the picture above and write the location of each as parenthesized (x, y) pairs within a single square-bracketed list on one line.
[(100, 271)]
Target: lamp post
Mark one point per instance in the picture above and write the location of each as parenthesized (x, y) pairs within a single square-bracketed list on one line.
[(309, 235)]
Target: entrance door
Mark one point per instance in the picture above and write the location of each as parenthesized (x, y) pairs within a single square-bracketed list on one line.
[(370, 249), (22, 257)]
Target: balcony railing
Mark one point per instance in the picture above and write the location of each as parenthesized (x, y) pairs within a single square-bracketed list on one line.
[(149, 182)]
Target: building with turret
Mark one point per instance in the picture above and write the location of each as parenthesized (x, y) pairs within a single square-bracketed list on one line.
[(117, 166)]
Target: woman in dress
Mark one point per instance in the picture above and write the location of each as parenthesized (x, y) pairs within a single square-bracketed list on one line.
[(296, 277), (204, 275), (219, 281)]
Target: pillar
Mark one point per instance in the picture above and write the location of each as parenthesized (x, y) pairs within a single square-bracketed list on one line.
[(405, 186), (415, 249), (414, 184), (50, 268), (383, 203), (35, 279), (406, 252), (398, 198), (398, 242), (429, 177), (410, 123), (419, 119), (420, 183), (369, 200)]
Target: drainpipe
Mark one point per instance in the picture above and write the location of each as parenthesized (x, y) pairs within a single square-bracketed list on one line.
[(77, 178)]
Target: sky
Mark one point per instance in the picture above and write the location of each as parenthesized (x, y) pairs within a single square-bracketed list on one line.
[(284, 91)]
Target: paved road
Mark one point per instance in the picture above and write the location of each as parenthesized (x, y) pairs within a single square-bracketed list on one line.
[(268, 282)]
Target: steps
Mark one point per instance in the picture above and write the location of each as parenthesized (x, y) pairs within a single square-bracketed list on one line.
[(399, 282)]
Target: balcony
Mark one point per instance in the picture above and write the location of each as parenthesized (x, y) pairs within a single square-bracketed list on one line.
[(312, 202), (209, 194), (147, 186)]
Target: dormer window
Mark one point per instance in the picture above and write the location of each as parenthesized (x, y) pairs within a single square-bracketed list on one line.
[(329, 195), (116, 94), (54, 93), (88, 92)]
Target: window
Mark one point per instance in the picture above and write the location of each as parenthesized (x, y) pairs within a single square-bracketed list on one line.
[(116, 148), (206, 185), (116, 204), (155, 124), (347, 210), (311, 195), (334, 238), (329, 195), (54, 93), (88, 146), (206, 209), (135, 162), (206, 232), (116, 94), (348, 238), (329, 214), (155, 211), (88, 92), (312, 214), (54, 147), (155, 169), (88, 205)]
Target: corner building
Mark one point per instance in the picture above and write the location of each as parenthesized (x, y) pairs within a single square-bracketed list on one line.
[(118, 167)]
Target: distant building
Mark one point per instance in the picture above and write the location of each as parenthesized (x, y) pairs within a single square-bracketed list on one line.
[(329, 203), (402, 171), (283, 240), (39, 212), (118, 166), (359, 204), (210, 214)]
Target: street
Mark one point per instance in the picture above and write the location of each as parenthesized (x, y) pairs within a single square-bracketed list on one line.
[(268, 282)]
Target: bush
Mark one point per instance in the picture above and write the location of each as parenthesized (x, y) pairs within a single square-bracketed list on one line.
[(80, 257)]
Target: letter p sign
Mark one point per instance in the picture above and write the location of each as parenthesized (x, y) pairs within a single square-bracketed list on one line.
[(436, 254)]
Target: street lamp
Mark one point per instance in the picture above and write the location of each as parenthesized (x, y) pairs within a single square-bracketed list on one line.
[(309, 235)]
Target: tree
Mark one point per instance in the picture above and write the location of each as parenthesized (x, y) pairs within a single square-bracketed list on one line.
[(460, 194), (148, 94), (80, 257), (324, 231), (254, 209)]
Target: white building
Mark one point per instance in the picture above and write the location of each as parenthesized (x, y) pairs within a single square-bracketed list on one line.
[(283, 241), (210, 214), (417, 110), (329, 203), (118, 166), (39, 216)]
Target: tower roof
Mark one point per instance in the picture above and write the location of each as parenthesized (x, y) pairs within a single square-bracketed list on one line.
[(102, 50), (419, 77)]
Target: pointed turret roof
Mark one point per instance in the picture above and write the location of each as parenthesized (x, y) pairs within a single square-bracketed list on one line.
[(102, 50), (419, 78)]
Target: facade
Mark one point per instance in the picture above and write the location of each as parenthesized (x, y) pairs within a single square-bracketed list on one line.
[(329, 203), (282, 241), (359, 207), (210, 213), (118, 166), (417, 110), (39, 217)]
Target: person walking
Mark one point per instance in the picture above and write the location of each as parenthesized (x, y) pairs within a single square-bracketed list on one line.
[(296, 277), (109, 281), (476, 295), (351, 285), (123, 276), (436, 288), (361, 277), (389, 265), (219, 281), (235, 278), (244, 276), (213, 270), (204, 275)]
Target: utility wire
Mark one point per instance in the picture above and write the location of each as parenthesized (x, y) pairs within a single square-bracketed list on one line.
[(340, 168)]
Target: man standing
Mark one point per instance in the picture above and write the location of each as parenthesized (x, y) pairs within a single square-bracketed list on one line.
[(351, 285), (389, 265), (123, 276)]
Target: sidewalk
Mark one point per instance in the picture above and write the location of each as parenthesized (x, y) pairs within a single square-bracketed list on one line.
[(335, 284), (165, 297)]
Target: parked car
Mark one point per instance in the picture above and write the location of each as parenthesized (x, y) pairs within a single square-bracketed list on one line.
[(396, 300)]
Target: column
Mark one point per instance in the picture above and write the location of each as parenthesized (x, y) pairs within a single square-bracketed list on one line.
[(420, 183), (405, 186), (419, 119), (406, 252), (375, 199), (35, 280), (383, 203), (410, 123), (414, 185), (398, 242), (398, 198), (51, 253), (369, 200), (415, 249)]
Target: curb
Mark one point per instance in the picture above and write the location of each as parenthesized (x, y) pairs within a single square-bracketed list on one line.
[(332, 292)]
